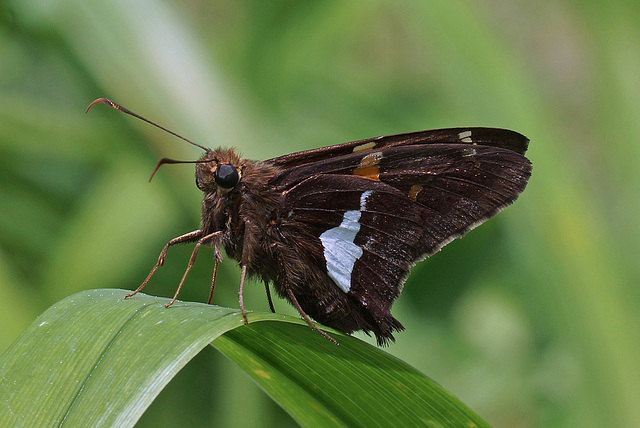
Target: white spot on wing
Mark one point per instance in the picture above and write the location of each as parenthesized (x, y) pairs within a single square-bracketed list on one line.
[(465, 137), (365, 146), (372, 159), (363, 199), (469, 152), (340, 251)]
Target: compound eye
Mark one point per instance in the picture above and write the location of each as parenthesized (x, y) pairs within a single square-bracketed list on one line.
[(226, 176)]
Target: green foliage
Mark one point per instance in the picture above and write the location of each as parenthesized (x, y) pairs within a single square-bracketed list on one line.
[(531, 319), (107, 373)]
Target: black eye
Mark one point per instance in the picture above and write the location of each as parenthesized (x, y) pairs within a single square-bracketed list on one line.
[(226, 176)]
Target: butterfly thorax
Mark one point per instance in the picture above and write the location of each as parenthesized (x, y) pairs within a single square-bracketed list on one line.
[(247, 203)]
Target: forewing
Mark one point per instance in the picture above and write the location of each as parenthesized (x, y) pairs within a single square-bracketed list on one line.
[(494, 137), (375, 217), (395, 154)]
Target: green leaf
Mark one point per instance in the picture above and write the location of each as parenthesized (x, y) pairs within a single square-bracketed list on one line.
[(353, 384), (95, 359)]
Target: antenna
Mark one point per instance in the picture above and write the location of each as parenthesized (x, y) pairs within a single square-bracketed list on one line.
[(172, 161), (129, 112)]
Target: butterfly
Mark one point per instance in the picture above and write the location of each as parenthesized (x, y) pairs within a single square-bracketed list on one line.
[(335, 230)]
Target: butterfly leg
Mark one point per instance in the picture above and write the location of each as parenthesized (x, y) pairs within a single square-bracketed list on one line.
[(266, 287), (207, 240), (187, 237), (217, 258), (243, 274), (294, 302), (247, 244)]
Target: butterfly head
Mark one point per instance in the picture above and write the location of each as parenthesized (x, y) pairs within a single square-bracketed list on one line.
[(219, 171)]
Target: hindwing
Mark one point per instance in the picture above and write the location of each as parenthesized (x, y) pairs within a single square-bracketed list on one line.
[(377, 211)]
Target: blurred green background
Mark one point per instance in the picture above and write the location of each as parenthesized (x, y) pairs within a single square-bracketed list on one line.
[(532, 319)]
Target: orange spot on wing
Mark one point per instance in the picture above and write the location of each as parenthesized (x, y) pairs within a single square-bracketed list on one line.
[(369, 166), (372, 172), (413, 191)]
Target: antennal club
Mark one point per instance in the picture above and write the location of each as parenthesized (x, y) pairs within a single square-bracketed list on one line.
[(129, 112), (164, 161)]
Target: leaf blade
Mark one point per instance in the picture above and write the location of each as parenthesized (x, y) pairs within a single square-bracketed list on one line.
[(104, 372), (353, 384), (107, 358)]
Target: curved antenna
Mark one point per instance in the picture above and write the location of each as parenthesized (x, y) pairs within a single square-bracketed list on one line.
[(171, 161), (129, 112)]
